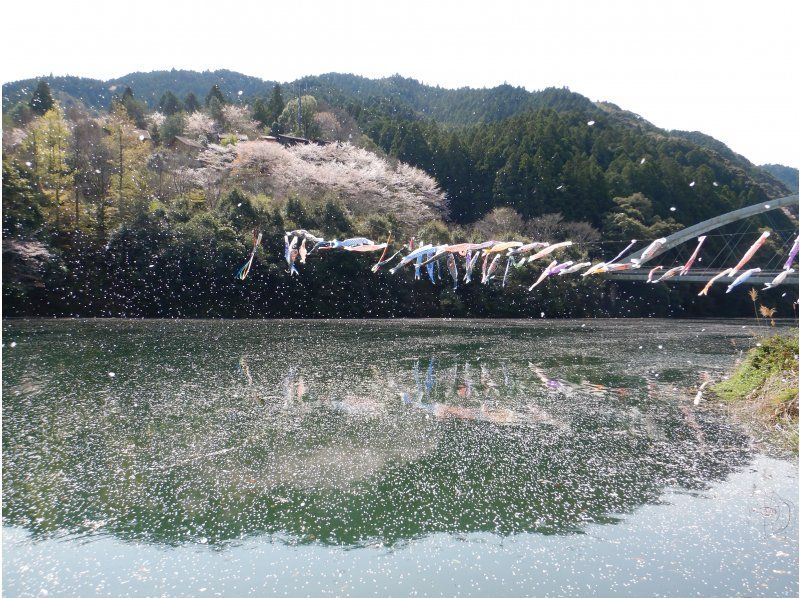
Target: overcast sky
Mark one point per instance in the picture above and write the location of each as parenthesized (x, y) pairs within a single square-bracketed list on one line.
[(726, 68)]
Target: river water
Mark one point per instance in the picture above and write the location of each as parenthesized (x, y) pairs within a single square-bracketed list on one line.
[(385, 458)]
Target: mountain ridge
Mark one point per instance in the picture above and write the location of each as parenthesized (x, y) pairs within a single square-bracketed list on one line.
[(449, 106)]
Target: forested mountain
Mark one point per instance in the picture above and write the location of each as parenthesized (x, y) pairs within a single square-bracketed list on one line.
[(453, 106), (149, 86), (102, 181), (785, 174), (447, 106), (395, 97)]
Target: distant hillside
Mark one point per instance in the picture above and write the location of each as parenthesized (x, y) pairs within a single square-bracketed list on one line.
[(400, 96), (785, 174), (450, 106), (148, 87), (92, 92), (737, 160), (708, 142), (540, 151)]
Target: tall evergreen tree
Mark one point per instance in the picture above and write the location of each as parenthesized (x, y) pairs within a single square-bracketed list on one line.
[(135, 109), (215, 110), (276, 104), (261, 113), (42, 100), (169, 104), (215, 93), (191, 103)]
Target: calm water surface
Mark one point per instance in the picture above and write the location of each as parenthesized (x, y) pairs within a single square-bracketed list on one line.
[(227, 457)]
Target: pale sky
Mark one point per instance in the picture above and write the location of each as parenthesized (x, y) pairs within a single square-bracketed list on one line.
[(727, 68)]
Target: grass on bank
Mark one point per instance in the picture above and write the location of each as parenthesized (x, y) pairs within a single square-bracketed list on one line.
[(764, 387)]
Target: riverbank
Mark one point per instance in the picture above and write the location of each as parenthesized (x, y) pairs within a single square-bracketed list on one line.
[(763, 391)]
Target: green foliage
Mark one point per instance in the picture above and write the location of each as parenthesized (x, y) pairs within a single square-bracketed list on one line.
[(215, 110), (260, 113), (20, 115), (448, 106), (237, 209), (41, 101), (335, 220), (378, 227), (215, 94), (785, 174), (191, 103), (435, 232), (155, 135), (134, 109), (22, 201), (170, 104), (303, 125), (764, 390), (634, 218), (172, 127), (268, 112), (276, 104), (299, 214), (775, 355)]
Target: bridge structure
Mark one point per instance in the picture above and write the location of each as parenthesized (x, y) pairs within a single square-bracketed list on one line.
[(735, 245)]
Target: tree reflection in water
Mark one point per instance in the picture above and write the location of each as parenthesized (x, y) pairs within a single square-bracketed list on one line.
[(344, 434)]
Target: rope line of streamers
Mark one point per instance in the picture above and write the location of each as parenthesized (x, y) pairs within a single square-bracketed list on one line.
[(517, 253)]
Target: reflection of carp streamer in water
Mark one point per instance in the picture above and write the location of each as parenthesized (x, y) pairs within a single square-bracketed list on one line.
[(569, 388), (496, 416)]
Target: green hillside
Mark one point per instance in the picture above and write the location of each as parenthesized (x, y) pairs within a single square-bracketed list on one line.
[(131, 167), (785, 174)]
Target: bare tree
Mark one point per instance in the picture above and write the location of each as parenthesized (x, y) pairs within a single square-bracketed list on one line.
[(92, 165), (547, 227), (500, 223)]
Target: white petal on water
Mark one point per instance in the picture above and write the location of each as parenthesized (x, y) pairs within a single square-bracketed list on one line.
[(691, 184)]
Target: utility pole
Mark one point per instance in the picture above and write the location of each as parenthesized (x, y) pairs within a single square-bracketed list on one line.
[(120, 165), (299, 114)]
